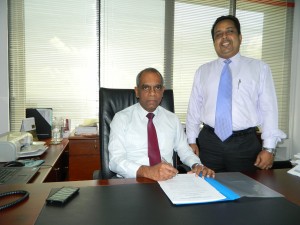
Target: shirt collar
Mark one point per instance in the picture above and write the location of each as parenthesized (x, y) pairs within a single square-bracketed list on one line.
[(143, 113), (233, 59)]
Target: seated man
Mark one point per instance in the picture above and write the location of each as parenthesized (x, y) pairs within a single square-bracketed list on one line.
[(129, 152)]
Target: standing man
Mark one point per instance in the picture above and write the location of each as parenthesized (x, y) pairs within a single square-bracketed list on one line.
[(231, 96), (132, 152)]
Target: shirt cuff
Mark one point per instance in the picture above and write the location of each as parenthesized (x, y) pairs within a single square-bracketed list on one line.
[(132, 170), (270, 143), (191, 140)]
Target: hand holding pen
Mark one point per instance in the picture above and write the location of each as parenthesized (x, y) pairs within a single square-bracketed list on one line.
[(168, 167), (161, 171)]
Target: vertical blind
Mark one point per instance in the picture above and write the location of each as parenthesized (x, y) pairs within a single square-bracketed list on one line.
[(54, 59), (267, 28), (193, 44), (54, 48), (133, 38), (134, 35)]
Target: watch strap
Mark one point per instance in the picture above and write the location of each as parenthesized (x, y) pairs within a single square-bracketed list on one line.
[(271, 150), (194, 165)]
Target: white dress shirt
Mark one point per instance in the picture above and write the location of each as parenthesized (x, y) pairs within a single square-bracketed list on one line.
[(128, 141), (254, 101)]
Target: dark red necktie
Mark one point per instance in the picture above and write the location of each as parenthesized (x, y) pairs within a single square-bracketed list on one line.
[(153, 149)]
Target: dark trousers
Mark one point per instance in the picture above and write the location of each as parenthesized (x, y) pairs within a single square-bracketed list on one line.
[(237, 153)]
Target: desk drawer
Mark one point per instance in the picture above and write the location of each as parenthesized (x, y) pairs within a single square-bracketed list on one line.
[(84, 147), (82, 167)]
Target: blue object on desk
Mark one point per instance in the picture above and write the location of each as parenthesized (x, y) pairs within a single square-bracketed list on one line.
[(229, 194), (32, 162)]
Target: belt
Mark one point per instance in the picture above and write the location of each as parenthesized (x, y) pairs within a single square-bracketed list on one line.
[(234, 133)]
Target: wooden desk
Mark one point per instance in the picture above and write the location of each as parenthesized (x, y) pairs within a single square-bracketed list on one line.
[(279, 180), (55, 167), (27, 212), (84, 157)]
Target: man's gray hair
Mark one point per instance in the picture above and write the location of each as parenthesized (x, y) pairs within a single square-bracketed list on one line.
[(150, 69)]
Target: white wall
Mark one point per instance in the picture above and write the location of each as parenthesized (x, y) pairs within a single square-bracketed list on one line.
[(4, 93)]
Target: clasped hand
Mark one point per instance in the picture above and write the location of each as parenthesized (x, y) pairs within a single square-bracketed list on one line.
[(264, 160), (203, 171)]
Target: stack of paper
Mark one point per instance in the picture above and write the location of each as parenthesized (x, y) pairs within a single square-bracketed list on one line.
[(37, 148), (81, 130), (295, 171)]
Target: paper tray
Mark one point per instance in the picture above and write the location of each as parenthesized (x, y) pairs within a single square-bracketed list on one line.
[(33, 150)]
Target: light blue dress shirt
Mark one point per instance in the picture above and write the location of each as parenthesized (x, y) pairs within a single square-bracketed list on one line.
[(128, 143), (254, 101)]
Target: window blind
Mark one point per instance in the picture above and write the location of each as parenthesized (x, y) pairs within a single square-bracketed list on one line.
[(267, 35), (133, 38), (53, 57), (193, 44), (55, 61)]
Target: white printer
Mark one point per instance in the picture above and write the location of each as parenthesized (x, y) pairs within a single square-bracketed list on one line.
[(11, 144)]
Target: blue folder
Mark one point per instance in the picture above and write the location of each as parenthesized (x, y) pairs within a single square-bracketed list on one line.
[(229, 194)]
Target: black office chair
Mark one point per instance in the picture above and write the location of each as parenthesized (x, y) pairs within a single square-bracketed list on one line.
[(112, 101)]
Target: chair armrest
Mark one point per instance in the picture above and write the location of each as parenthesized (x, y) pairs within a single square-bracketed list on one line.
[(97, 175), (183, 168)]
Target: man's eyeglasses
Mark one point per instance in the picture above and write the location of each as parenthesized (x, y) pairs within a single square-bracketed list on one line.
[(148, 88)]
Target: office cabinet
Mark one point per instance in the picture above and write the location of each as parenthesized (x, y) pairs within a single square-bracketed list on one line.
[(84, 157), (59, 171)]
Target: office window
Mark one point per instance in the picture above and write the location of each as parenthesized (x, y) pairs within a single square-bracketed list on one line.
[(54, 48), (193, 44), (132, 38), (174, 36), (267, 28), (53, 57)]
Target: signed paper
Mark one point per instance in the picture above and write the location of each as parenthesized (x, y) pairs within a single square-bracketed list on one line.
[(189, 189)]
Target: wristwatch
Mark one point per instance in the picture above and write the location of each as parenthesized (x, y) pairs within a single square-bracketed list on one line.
[(271, 150), (195, 164)]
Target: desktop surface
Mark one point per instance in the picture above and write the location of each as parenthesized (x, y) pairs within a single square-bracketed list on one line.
[(147, 204), (27, 212)]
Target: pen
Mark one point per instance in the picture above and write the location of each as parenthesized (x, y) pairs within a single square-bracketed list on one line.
[(165, 161)]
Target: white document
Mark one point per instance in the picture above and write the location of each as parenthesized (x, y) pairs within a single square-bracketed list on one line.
[(28, 124), (295, 171), (188, 188), (35, 149)]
